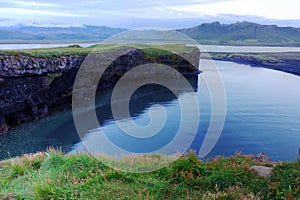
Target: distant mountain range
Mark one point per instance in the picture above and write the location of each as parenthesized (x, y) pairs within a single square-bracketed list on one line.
[(240, 33), (34, 33), (244, 33)]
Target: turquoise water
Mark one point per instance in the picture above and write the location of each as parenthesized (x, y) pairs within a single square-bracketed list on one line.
[(263, 115)]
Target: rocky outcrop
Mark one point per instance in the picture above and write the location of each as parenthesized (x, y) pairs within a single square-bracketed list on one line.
[(22, 99), (285, 62), (262, 170), (31, 86), (261, 157), (28, 65)]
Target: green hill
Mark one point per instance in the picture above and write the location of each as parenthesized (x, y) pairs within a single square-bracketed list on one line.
[(244, 33)]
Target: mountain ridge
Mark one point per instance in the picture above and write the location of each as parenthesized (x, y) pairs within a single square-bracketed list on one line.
[(239, 33), (37, 33), (244, 33)]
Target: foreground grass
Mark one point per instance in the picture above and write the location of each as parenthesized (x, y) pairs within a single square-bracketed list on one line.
[(82, 176)]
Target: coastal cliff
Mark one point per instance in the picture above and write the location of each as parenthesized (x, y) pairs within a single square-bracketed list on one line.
[(33, 85)]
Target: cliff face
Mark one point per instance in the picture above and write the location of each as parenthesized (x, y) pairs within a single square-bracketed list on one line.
[(25, 82), (28, 65), (32, 86)]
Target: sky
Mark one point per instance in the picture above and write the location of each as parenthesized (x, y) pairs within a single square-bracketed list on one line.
[(141, 13)]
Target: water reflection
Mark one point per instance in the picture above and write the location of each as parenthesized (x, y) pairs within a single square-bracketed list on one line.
[(263, 115), (58, 129)]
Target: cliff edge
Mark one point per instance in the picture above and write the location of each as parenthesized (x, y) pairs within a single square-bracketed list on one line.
[(32, 84)]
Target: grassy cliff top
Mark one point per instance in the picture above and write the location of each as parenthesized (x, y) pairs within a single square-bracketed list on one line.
[(77, 50), (82, 176)]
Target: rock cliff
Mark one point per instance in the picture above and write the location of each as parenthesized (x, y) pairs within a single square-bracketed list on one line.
[(31, 86)]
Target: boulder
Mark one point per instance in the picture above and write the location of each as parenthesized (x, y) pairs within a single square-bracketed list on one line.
[(262, 170), (262, 157)]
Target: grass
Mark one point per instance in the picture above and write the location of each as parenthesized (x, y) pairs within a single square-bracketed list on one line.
[(77, 50), (82, 176)]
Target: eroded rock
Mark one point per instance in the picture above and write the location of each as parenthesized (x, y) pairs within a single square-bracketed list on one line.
[(31, 86)]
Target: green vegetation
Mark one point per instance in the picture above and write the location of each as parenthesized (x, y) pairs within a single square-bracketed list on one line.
[(82, 176), (152, 50), (244, 33), (51, 77), (49, 52)]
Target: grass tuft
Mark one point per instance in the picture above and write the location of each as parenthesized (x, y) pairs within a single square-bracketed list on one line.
[(81, 176)]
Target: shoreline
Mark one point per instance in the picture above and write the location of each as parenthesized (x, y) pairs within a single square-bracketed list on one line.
[(260, 157), (285, 62)]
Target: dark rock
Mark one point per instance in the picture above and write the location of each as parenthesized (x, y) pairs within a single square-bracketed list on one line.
[(22, 65), (3, 126), (2, 81), (262, 157), (283, 62), (31, 86)]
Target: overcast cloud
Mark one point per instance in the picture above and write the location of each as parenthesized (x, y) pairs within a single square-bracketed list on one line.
[(135, 13)]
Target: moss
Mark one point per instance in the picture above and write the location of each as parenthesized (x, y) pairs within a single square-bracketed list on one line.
[(51, 77)]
